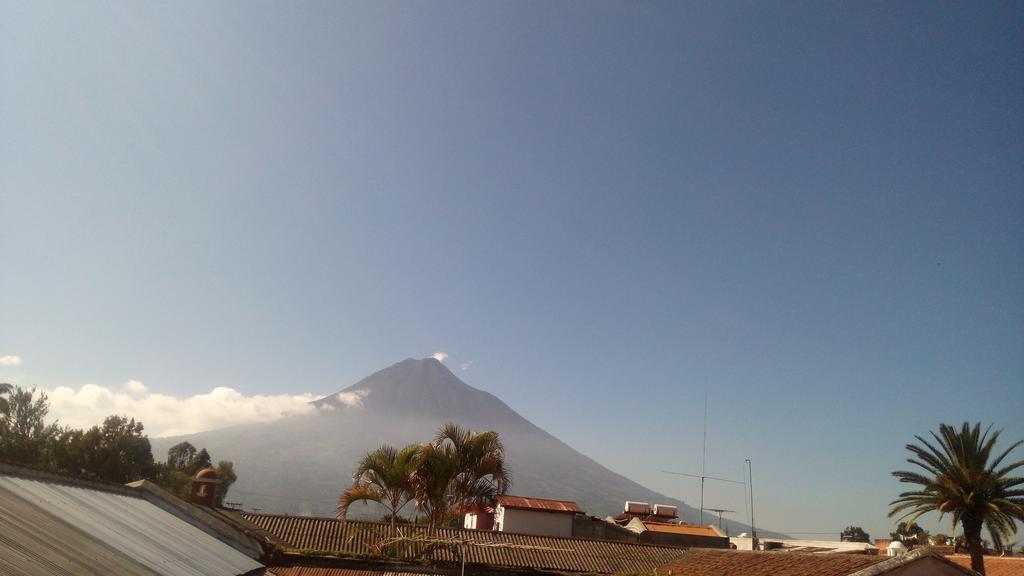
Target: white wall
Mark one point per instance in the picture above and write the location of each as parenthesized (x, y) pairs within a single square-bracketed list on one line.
[(533, 522)]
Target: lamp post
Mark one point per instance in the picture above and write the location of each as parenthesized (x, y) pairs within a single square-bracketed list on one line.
[(750, 474)]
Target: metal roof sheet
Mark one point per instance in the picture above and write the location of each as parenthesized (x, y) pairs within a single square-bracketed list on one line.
[(36, 543), (544, 504), (132, 531), (481, 547)]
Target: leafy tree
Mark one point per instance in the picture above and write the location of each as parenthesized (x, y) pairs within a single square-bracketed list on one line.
[(5, 390), (382, 476), (854, 534), (939, 539), (184, 458), (226, 474), (183, 463), (910, 533), (122, 451), (965, 480), (23, 431)]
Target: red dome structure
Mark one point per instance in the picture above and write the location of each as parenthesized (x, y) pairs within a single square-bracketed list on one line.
[(204, 487)]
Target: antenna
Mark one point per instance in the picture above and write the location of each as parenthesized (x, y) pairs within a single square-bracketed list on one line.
[(721, 511), (703, 463), (702, 478)]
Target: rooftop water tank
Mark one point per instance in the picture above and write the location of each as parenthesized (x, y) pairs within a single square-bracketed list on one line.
[(665, 511), (638, 507)]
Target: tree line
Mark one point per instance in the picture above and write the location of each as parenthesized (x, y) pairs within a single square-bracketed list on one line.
[(440, 479), (116, 451)]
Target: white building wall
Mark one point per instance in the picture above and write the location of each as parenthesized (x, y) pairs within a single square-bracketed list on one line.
[(533, 522)]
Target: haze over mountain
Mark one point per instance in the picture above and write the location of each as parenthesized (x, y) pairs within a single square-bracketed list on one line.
[(299, 464)]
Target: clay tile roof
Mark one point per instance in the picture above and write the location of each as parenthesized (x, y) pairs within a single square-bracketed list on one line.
[(736, 562), (328, 571), (682, 529), (539, 504), (481, 547), (995, 565)]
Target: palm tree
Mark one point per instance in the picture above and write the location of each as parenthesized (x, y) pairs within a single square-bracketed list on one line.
[(382, 476), (459, 468), (481, 474), (436, 465), (964, 480)]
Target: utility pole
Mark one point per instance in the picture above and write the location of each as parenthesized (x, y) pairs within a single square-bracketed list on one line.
[(750, 472)]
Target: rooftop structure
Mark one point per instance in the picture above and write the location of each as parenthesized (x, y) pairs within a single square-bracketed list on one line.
[(54, 525)]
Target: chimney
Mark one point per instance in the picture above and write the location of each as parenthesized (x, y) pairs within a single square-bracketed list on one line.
[(204, 487)]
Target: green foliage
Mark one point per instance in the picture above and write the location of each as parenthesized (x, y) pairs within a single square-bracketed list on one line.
[(963, 477), (117, 451), (910, 533), (5, 390), (854, 534), (457, 468), (382, 476), (23, 431), (183, 463), (226, 473), (938, 539)]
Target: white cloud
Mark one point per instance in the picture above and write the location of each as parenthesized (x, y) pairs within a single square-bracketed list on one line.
[(165, 415), (353, 399), (135, 388), (440, 356), (10, 360), (465, 365)]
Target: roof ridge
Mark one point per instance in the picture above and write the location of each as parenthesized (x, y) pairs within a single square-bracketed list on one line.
[(465, 530), (29, 473)]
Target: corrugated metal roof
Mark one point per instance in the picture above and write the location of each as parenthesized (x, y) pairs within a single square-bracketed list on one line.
[(36, 543), (482, 547), (130, 531), (524, 503)]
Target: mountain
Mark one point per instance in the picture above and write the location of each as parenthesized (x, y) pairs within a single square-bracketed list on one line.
[(300, 464)]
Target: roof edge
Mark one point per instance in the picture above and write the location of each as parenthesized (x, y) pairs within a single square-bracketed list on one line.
[(21, 471), (912, 556), (207, 520)]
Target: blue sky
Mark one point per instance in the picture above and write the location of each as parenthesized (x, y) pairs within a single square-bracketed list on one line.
[(810, 211)]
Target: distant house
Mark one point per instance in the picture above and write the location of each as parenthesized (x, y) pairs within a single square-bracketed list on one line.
[(655, 525), (51, 524), (536, 516)]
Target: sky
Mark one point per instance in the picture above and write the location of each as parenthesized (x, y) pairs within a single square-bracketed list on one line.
[(808, 213)]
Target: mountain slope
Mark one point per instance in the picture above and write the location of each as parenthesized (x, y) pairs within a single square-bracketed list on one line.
[(299, 464)]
